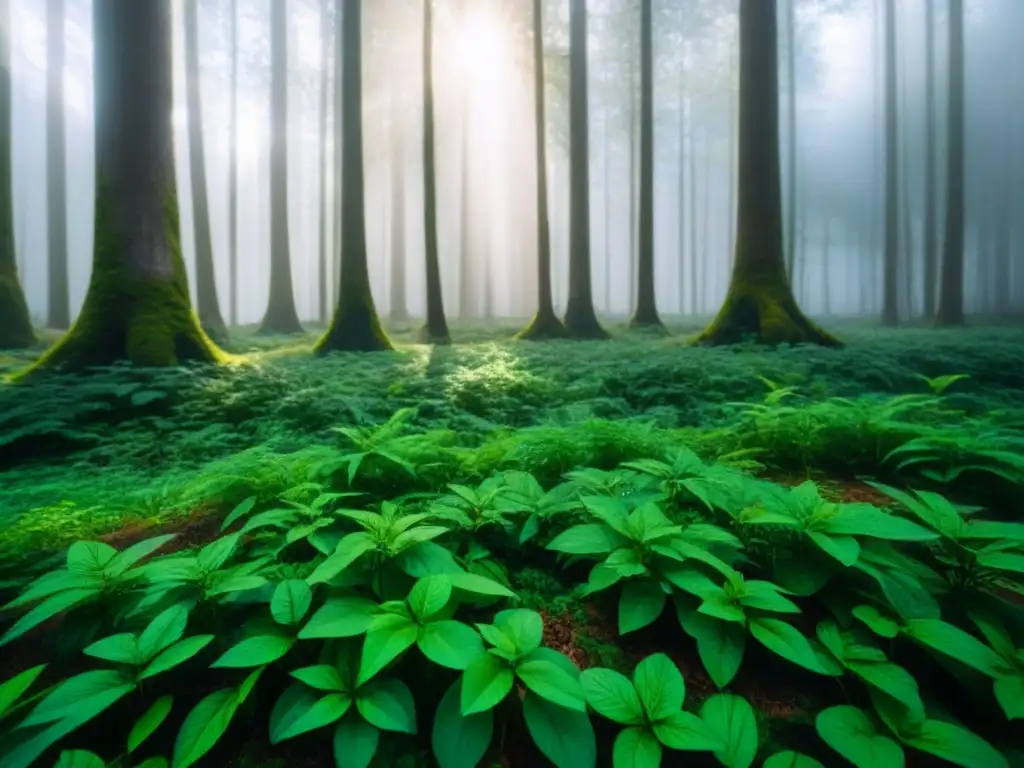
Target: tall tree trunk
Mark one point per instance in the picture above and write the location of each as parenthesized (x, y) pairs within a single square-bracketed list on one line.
[(633, 230), (15, 327), (355, 326), (580, 318), (280, 316), (545, 324), (59, 306), (951, 293), (322, 256), (705, 227), (233, 167), (681, 213), (469, 285), (931, 233), (791, 140), (1003, 246), (207, 306), (891, 257), (760, 302), (436, 329), (731, 170), (646, 314), (607, 204), (137, 306), (692, 214), (826, 259), (399, 308)]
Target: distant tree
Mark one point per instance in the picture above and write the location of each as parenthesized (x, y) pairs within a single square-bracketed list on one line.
[(891, 252), (789, 237), (137, 306), (931, 232), (435, 331), (325, 43), (280, 316), (58, 313), (15, 327), (951, 291), (545, 324), (398, 306), (760, 302), (233, 166), (580, 318), (207, 305)]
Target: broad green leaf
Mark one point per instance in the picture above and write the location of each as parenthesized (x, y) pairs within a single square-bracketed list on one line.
[(349, 549), (636, 747), (892, 679), (791, 759), (119, 649), (866, 520), (956, 643), (387, 704), (125, 559), (339, 617), (995, 633), (877, 622), (241, 510), (784, 639), (255, 651), (89, 558), (163, 632), (51, 583), (612, 695), (177, 654), (322, 677), (731, 719), (12, 690), (476, 584), (92, 691), (291, 705), (720, 644), (154, 762), (460, 741), (764, 596), (640, 604), (451, 644), (26, 752), (523, 627), (486, 681), (845, 549), (552, 683), (319, 714), (290, 602), (215, 554), (355, 743), (563, 736), (429, 595), (204, 726), (851, 733), (1010, 695), (383, 646), (47, 609), (149, 722), (957, 745), (79, 758), (685, 731), (659, 684), (588, 539)]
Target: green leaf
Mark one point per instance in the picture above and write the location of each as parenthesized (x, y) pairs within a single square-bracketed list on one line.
[(91, 692), (355, 743), (451, 644), (12, 690), (339, 617), (1010, 695), (79, 758), (215, 554), (891, 679), (877, 622), (851, 733), (720, 644), (589, 539), (89, 558), (255, 652), (956, 744), (476, 584), (731, 720), (552, 683), (154, 762), (866, 520), (382, 646), (162, 632), (791, 759), (322, 677), (764, 596), (685, 731), (125, 559), (429, 595), (204, 726), (349, 549), (612, 695), (786, 641), (177, 654), (119, 649), (290, 602), (460, 741), (486, 681), (149, 722), (640, 604), (659, 684), (291, 705), (388, 704), (319, 714), (563, 736), (47, 609), (241, 510), (956, 643), (523, 627), (636, 748)]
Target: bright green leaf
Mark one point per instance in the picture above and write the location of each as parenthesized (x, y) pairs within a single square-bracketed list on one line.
[(564, 737), (731, 719), (149, 721), (612, 695), (388, 704), (486, 681)]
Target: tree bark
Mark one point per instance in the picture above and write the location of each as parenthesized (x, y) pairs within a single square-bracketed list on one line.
[(436, 329), (760, 303), (233, 168), (580, 318), (15, 326), (280, 316), (137, 306), (789, 239), (325, 45), (469, 284), (356, 326), (931, 244), (59, 307), (207, 306), (951, 293), (891, 254), (398, 307)]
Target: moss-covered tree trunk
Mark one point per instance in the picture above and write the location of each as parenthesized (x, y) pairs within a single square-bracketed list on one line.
[(137, 306), (435, 331), (15, 326), (280, 316), (580, 318), (646, 314), (356, 326), (207, 306), (398, 309), (951, 290), (760, 302), (545, 324), (58, 312)]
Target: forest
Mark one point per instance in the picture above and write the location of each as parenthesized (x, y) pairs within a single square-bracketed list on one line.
[(511, 383)]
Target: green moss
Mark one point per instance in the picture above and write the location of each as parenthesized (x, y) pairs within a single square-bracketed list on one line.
[(355, 328), (545, 325), (15, 327)]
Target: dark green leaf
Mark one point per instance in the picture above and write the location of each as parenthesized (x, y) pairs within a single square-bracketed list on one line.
[(451, 644), (177, 654), (355, 743), (731, 720), (149, 722), (636, 747), (290, 602), (552, 683), (458, 741), (640, 604), (12, 690), (851, 733), (486, 681), (685, 731), (564, 737), (957, 745), (659, 684), (204, 726), (382, 646), (255, 651), (612, 695), (387, 704), (339, 617)]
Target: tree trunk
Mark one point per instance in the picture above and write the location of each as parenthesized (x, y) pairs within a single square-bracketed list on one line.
[(760, 301), (951, 292), (469, 285), (137, 306), (436, 329), (681, 213), (580, 318), (15, 327), (59, 307), (281, 316), (692, 217), (233, 168), (891, 257), (545, 324), (355, 327), (207, 306), (705, 226), (791, 140), (633, 232), (399, 308), (931, 244), (646, 314), (826, 254), (607, 206), (322, 256)]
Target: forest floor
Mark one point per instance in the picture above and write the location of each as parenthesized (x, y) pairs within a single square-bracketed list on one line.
[(125, 454)]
